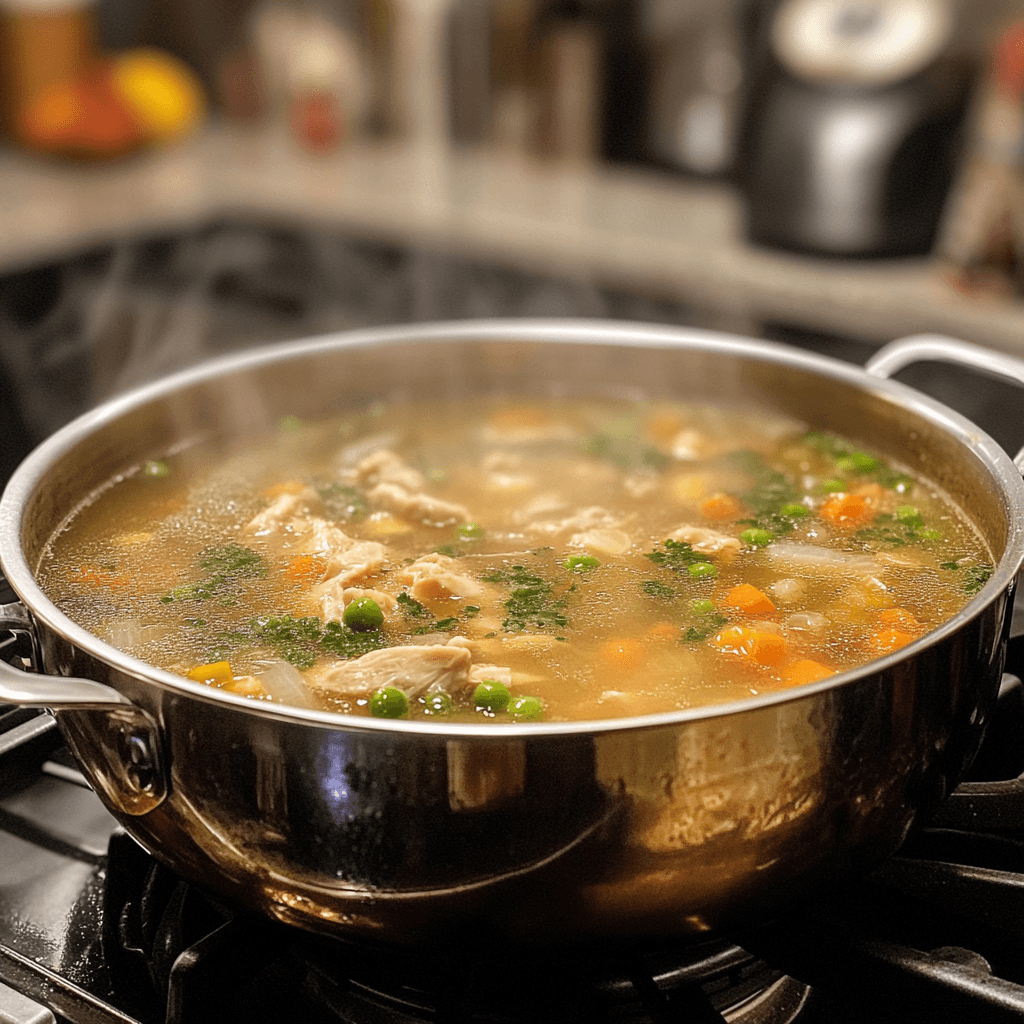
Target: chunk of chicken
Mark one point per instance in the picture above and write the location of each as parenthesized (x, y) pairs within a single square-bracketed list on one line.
[(708, 542), (414, 670), (433, 577), (335, 597), (392, 484), (280, 515), (605, 542), (590, 518)]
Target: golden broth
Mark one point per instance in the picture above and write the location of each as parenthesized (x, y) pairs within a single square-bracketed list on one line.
[(603, 558)]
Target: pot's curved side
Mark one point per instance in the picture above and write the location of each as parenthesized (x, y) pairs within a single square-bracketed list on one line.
[(674, 824), (669, 830)]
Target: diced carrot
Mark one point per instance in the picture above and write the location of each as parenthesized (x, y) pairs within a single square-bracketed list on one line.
[(287, 487), (95, 576), (306, 569), (217, 673), (847, 511), (805, 671), (663, 631), (747, 598), (625, 655), (901, 619), (887, 640), (721, 508), (760, 647)]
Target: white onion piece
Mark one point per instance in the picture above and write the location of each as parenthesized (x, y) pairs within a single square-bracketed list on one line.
[(809, 556), (788, 590), (810, 621), (128, 634), (284, 683)]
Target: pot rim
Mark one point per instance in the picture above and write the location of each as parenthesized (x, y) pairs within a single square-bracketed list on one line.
[(562, 331)]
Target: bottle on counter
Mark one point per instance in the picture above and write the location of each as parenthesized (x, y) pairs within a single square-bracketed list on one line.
[(42, 44)]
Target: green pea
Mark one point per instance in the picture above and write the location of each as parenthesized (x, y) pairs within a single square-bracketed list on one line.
[(908, 514), (757, 538), (702, 606), (471, 531), (581, 563), (832, 485), (702, 570), (794, 511), (156, 468), (438, 704), (857, 462), (930, 535), (492, 695), (363, 614), (389, 702), (526, 709)]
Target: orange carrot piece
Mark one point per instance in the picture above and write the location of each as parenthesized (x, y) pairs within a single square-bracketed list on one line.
[(759, 647), (217, 673), (663, 426), (805, 671), (625, 655), (94, 576), (306, 569), (901, 619), (847, 511), (747, 598), (721, 508), (885, 641)]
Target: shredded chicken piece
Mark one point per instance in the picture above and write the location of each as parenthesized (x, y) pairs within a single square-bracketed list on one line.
[(414, 670), (606, 542), (417, 505), (587, 519), (708, 542), (335, 597), (387, 467), (808, 556), (279, 514), (392, 484), (432, 577), (497, 673)]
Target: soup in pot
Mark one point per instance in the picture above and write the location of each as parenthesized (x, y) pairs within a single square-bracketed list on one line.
[(517, 560)]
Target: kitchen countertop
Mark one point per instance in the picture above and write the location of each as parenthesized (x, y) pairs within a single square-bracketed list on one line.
[(623, 228)]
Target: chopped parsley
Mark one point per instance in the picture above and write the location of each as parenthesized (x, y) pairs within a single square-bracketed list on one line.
[(224, 567), (852, 461), (655, 588), (897, 529), (974, 576), (412, 609), (293, 640), (702, 629), (677, 555), (343, 642), (531, 602)]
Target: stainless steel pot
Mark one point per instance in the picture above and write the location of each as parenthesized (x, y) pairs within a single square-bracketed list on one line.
[(667, 824)]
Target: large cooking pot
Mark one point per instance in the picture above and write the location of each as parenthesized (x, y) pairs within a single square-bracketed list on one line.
[(668, 824)]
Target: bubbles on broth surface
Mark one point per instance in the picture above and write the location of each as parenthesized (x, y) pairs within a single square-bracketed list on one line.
[(608, 558)]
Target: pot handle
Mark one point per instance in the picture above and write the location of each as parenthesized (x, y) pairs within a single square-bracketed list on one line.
[(936, 348), (121, 749)]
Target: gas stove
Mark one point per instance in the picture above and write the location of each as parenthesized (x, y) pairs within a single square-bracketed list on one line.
[(94, 930)]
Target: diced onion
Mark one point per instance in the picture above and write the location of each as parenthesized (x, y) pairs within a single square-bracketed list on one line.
[(284, 683), (810, 621)]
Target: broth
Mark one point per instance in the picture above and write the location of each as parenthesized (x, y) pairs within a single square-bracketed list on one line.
[(517, 559)]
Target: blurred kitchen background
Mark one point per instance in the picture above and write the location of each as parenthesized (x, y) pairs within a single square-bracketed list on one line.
[(181, 178)]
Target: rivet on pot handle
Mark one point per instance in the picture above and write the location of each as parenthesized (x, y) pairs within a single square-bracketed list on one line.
[(922, 348), (124, 753)]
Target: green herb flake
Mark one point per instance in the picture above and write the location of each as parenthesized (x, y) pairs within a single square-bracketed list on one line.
[(344, 504), (343, 642), (411, 608), (655, 588), (677, 555)]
